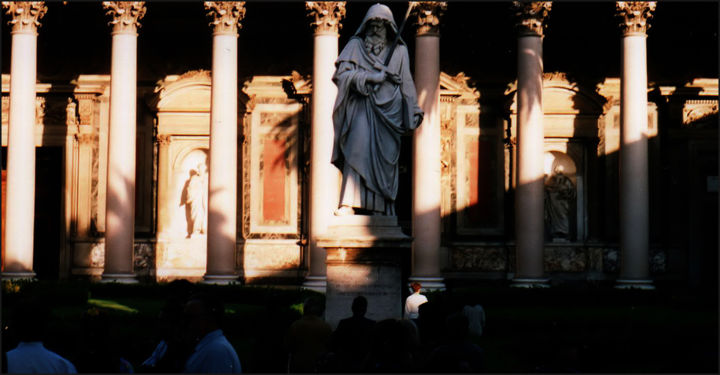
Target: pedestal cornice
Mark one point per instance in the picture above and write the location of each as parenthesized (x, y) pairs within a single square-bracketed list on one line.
[(25, 15), (125, 15), (226, 16), (326, 16), (361, 231), (531, 17), (427, 16)]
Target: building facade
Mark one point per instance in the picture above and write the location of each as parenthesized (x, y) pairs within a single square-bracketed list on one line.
[(193, 140)]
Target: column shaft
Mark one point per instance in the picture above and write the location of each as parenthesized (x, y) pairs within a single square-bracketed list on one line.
[(222, 184), (120, 210), (20, 201), (324, 177), (426, 165), (530, 138), (633, 166)]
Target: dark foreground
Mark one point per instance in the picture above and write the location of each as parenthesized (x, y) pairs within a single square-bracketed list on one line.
[(561, 329)]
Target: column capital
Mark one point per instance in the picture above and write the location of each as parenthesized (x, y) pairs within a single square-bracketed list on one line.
[(634, 16), (428, 15), (531, 17), (226, 16), (25, 15), (125, 15), (164, 139), (327, 15)]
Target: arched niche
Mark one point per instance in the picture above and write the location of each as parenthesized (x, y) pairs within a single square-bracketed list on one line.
[(561, 197), (574, 127), (182, 105)]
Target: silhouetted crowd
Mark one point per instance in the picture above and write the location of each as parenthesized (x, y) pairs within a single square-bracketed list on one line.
[(429, 339)]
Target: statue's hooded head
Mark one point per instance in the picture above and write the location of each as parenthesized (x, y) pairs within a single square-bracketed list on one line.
[(382, 12)]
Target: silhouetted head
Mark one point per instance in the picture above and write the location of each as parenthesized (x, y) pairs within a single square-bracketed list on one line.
[(359, 306), (416, 286), (30, 318), (204, 314), (313, 306), (458, 326)]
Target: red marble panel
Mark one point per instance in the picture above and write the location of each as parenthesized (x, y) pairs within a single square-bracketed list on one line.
[(273, 176), (480, 180)]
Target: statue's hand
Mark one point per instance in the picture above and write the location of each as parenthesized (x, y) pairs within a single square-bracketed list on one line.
[(377, 77), (394, 78), (418, 117)]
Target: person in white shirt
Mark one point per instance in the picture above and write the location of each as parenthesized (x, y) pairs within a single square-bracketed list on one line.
[(31, 356), (413, 302), (213, 352)]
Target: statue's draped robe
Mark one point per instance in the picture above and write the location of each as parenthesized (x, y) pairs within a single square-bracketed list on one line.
[(197, 201), (559, 196), (369, 120)]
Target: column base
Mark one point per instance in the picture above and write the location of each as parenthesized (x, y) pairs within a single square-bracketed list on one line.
[(634, 284), (221, 279), (316, 283), (430, 284), (17, 276), (530, 283), (121, 278)]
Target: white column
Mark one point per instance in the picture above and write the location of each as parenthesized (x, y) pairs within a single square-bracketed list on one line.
[(633, 168), (222, 179), (529, 226), (20, 199), (120, 209), (324, 177), (426, 198)]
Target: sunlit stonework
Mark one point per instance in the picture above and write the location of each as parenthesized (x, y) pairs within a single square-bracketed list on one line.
[(531, 16), (125, 15), (634, 15), (25, 15), (226, 15), (428, 15), (327, 15)]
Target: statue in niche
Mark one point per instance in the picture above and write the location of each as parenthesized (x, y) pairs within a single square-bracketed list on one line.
[(194, 197), (559, 196), (375, 105), (71, 112)]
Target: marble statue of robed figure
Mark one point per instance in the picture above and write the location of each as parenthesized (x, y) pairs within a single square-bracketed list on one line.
[(375, 106)]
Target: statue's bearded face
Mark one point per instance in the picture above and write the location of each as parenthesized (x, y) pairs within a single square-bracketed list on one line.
[(375, 36)]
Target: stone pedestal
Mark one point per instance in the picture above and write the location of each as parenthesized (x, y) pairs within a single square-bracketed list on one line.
[(369, 256)]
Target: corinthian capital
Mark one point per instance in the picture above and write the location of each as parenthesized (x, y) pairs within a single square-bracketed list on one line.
[(327, 15), (25, 15), (634, 16), (226, 16), (125, 15), (428, 15), (531, 17)]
